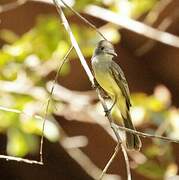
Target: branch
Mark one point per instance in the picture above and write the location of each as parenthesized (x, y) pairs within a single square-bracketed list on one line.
[(49, 100), (113, 126), (142, 134), (84, 19), (79, 156), (2, 108), (110, 16), (127, 163), (148, 135), (85, 113), (73, 41), (90, 76), (133, 25), (11, 158), (18, 158), (109, 162)]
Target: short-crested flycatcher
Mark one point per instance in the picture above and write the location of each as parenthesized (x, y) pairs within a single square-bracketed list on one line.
[(111, 78)]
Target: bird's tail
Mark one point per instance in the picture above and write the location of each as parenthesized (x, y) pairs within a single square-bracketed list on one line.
[(132, 140)]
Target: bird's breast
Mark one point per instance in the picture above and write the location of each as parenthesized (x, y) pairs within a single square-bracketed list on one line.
[(103, 76)]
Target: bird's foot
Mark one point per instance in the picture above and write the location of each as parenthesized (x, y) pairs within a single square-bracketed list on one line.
[(107, 112)]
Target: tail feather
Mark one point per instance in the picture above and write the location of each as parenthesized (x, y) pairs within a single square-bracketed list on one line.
[(132, 140)]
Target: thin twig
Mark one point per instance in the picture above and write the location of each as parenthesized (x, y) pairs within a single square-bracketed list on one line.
[(18, 3), (125, 22), (114, 128), (147, 135), (2, 108), (49, 100), (129, 177), (88, 72), (11, 158), (18, 158), (73, 41), (84, 19), (133, 25), (109, 162)]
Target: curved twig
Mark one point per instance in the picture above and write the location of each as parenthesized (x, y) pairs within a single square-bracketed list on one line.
[(48, 102)]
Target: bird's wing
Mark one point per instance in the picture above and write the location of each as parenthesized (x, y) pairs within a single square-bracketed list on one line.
[(120, 79)]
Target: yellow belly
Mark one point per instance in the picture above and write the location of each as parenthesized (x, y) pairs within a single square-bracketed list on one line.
[(108, 83), (110, 86), (101, 68)]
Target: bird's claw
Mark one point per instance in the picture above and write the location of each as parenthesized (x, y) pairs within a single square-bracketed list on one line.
[(107, 112)]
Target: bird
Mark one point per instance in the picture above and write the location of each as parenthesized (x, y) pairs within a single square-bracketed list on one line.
[(110, 77)]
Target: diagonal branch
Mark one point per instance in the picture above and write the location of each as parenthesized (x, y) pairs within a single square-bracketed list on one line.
[(109, 162), (84, 19), (91, 78), (73, 41)]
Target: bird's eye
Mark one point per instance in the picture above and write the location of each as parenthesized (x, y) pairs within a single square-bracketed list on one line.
[(102, 48)]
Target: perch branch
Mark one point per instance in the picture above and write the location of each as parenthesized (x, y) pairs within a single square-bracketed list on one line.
[(89, 74), (142, 134)]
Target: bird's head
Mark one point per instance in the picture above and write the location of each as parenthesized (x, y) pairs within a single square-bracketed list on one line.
[(105, 47)]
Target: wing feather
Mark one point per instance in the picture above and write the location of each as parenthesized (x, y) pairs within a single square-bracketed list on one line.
[(121, 81)]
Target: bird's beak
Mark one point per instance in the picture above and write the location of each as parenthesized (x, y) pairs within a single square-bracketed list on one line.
[(111, 52)]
